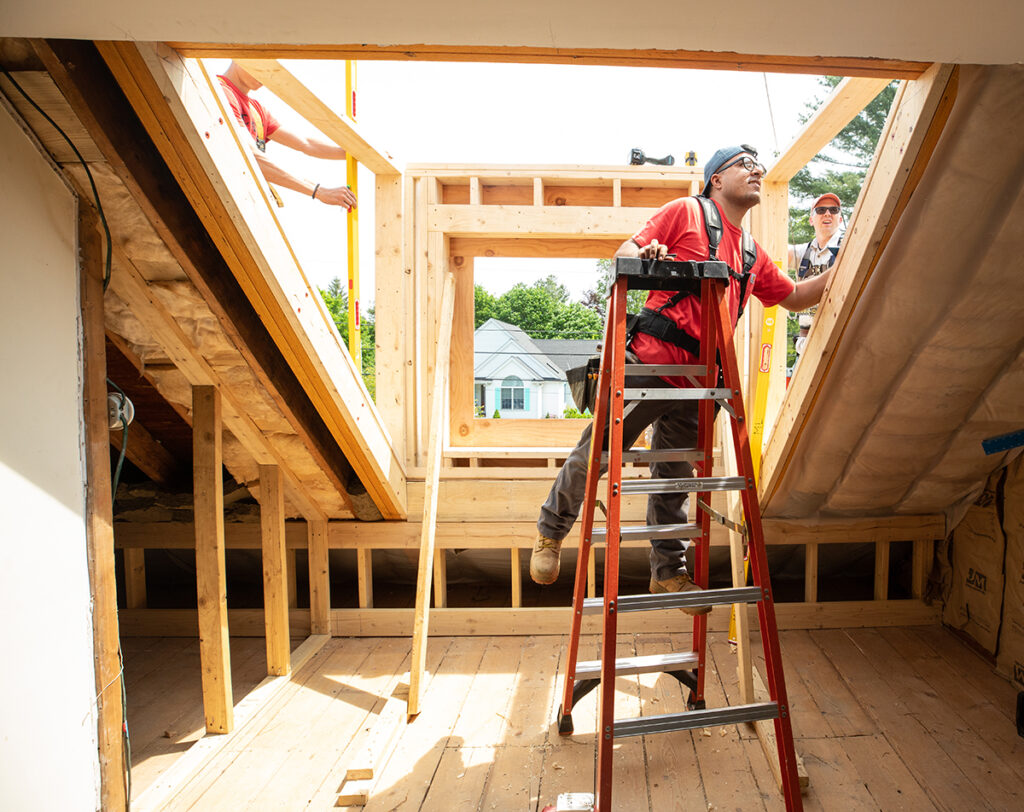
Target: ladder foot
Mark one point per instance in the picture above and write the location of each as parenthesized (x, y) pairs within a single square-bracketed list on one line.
[(565, 727), (695, 704)]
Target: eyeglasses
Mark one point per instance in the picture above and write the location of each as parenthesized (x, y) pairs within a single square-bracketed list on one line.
[(829, 209), (747, 163)]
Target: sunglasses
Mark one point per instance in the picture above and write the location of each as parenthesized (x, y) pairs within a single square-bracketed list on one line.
[(829, 209)]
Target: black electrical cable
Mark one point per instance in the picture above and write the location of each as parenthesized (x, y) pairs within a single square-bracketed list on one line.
[(88, 172), (126, 744)]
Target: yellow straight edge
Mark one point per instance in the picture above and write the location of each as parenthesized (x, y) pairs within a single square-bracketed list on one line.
[(355, 345), (766, 348)]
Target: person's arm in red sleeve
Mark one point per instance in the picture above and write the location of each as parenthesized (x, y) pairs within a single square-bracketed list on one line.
[(807, 292)]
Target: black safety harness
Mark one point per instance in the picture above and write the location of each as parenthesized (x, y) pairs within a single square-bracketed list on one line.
[(805, 263), (655, 323)]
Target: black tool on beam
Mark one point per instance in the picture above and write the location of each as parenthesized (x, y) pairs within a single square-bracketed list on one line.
[(637, 157)]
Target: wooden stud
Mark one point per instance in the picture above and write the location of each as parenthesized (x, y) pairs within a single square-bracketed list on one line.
[(617, 192), (517, 578), (392, 322), (921, 565), (421, 624), (536, 221), (340, 129), (135, 579), (292, 577), (811, 573), (275, 577), (474, 191), (848, 98), (100, 522), (211, 585), (319, 579), (364, 575), (440, 578), (592, 573), (538, 192), (741, 618), (881, 570)]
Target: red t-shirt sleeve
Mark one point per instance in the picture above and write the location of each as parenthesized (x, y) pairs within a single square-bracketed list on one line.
[(771, 285)]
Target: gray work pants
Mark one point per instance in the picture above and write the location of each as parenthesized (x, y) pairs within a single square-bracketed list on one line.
[(675, 426)]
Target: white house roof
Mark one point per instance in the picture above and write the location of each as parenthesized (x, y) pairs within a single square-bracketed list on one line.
[(501, 349)]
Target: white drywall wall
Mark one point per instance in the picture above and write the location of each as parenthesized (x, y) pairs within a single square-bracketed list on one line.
[(984, 32), (48, 747)]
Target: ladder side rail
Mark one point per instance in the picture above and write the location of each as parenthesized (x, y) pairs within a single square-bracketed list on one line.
[(587, 526), (706, 430), (606, 728), (759, 569)]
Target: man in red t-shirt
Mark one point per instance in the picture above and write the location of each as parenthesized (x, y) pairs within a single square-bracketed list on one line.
[(262, 126), (732, 181)]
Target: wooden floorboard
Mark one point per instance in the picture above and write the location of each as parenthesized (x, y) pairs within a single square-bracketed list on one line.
[(894, 718)]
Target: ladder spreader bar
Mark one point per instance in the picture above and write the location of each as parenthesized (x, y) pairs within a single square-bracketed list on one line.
[(676, 393), (659, 455), (690, 720), (650, 531), (646, 664), (712, 483), (665, 370), (676, 600)]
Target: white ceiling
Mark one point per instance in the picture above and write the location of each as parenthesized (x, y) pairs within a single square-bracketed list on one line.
[(985, 32)]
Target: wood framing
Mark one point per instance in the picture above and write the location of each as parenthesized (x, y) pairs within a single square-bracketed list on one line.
[(319, 578), (275, 584), (91, 91), (848, 98), (915, 122), (186, 119), (211, 584), (421, 627), (648, 58), (100, 524), (342, 131)]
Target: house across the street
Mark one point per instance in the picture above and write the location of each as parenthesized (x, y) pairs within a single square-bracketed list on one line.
[(518, 376)]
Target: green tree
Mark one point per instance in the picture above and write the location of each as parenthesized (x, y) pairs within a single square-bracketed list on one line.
[(574, 320), (532, 308), (483, 305), (335, 296), (843, 164)]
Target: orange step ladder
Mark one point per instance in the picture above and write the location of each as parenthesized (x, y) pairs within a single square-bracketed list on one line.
[(711, 385)]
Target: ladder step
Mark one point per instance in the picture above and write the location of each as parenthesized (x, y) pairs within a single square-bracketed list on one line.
[(676, 393), (665, 370), (690, 720), (647, 664), (695, 484), (659, 455), (676, 600), (650, 531)]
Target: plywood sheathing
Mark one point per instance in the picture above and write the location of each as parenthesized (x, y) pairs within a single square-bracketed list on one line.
[(931, 361)]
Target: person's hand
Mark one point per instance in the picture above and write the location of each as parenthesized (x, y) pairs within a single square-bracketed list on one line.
[(337, 196), (654, 250)]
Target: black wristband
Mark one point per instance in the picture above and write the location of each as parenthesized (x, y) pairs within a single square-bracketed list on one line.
[(314, 191)]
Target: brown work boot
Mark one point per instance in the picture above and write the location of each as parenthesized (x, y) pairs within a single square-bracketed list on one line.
[(679, 583), (545, 560)]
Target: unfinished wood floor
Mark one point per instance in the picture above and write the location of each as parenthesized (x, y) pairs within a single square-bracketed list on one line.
[(884, 719)]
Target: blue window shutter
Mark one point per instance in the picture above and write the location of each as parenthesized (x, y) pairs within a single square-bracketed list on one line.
[(526, 398)]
